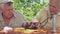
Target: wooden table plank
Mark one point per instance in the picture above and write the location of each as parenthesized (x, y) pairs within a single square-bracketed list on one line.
[(31, 31)]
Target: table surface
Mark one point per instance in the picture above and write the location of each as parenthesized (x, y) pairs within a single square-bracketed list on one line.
[(31, 31)]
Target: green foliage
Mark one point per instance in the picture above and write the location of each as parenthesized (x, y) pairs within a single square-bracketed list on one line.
[(29, 7)]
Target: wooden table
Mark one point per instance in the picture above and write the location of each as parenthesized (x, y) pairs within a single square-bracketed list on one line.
[(31, 31)]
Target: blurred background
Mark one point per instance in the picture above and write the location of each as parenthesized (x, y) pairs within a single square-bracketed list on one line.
[(30, 7)]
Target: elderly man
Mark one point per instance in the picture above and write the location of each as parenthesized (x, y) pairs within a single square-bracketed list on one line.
[(10, 17), (45, 15)]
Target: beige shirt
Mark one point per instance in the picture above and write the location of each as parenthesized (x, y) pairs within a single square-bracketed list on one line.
[(16, 21), (42, 15)]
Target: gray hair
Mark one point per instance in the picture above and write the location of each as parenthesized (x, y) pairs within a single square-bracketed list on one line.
[(1, 6)]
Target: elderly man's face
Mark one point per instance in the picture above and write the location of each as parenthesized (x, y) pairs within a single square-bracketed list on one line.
[(53, 9), (8, 10), (53, 6)]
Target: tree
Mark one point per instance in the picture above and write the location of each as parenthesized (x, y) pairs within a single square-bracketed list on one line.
[(29, 7)]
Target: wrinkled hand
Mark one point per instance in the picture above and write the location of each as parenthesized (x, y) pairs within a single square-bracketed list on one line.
[(27, 25), (31, 25)]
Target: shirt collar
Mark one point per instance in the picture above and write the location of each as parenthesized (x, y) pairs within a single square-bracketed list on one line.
[(1, 17), (58, 13), (14, 14)]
